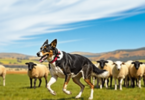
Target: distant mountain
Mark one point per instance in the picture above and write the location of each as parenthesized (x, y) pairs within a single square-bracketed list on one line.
[(15, 55), (123, 55)]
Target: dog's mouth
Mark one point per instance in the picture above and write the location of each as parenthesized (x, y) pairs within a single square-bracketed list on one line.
[(43, 58)]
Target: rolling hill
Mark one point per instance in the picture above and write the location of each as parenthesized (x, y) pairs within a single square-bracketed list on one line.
[(123, 55), (16, 55)]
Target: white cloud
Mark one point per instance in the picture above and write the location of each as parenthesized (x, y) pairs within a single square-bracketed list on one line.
[(20, 18)]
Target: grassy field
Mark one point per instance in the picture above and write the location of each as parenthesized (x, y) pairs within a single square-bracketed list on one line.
[(17, 88)]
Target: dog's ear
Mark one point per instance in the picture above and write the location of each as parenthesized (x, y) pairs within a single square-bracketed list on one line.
[(46, 42), (54, 43)]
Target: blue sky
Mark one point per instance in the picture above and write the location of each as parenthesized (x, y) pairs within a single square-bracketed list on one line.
[(79, 25)]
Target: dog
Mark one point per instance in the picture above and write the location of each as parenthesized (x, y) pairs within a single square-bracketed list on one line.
[(65, 65)]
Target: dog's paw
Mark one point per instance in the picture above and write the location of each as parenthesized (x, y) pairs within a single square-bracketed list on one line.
[(90, 98), (52, 92), (78, 96), (67, 92)]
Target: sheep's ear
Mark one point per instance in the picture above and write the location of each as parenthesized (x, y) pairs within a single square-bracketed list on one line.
[(123, 63), (27, 63), (113, 63), (98, 61), (141, 63), (54, 43), (106, 61), (34, 64), (132, 63)]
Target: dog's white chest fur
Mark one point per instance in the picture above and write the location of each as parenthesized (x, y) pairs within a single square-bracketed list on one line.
[(56, 71)]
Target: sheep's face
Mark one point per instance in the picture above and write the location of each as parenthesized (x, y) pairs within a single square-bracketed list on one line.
[(31, 65), (137, 64), (102, 63), (47, 50), (118, 64)]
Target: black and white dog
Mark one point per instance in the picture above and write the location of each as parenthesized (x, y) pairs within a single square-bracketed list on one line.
[(65, 65)]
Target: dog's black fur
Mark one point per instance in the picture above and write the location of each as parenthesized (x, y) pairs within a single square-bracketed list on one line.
[(70, 63)]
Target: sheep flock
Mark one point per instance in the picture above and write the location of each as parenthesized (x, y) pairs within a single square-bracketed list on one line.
[(129, 72)]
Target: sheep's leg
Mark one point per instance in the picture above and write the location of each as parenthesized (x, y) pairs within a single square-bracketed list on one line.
[(52, 80), (97, 82), (118, 82), (115, 83), (30, 82), (100, 83), (144, 81), (3, 80), (124, 82), (103, 81), (35, 82), (45, 80), (106, 82), (39, 82), (139, 82), (128, 81), (136, 82), (121, 83), (67, 78), (111, 81), (77, 81), (133, 85)]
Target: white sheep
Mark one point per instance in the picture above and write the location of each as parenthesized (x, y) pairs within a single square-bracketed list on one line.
[(144, 76), (136, 71), (128, 64), (120, 72), (3, 73), (37, 71), (106, 65)]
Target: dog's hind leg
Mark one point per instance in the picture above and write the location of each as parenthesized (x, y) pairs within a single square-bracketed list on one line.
[(51, 81), (67, 78), (87, 71), (77, 81)]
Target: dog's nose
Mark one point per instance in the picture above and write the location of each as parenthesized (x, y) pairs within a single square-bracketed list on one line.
[(38, 54)]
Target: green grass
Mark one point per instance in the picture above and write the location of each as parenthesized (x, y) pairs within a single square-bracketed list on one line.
[(17, 88)]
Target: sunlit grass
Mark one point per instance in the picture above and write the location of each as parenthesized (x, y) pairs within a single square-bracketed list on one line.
[(17, 88)]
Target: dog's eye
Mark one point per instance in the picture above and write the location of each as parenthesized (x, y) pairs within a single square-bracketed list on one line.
[(44, 50)]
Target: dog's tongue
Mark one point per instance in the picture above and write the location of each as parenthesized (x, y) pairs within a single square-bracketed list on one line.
[(40, 61)]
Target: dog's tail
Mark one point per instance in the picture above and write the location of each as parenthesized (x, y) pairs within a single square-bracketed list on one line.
[(100, 73)]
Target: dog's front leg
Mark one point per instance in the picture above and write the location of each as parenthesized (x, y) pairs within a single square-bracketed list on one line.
[(51, 81), (67, 78)]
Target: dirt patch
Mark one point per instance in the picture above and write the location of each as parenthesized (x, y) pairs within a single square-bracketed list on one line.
[(16, 72)]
